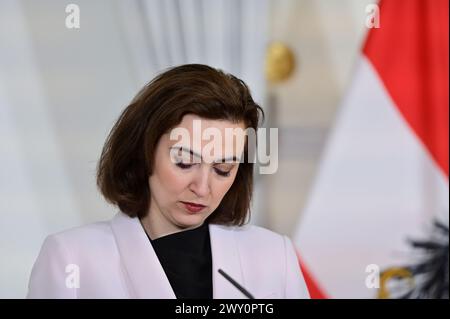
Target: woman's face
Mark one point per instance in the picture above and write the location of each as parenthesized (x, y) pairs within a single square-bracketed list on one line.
[(186, 173)]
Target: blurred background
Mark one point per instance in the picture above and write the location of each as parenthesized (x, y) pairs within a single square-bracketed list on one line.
[(61, 90)]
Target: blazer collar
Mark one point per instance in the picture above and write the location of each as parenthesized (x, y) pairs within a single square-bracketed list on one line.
[(147, 278), (225, 256)]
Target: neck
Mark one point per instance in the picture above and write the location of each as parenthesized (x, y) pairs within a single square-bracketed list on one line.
[(156, 225)]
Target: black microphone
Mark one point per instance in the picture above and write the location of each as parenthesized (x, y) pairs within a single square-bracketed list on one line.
[(234, 283)]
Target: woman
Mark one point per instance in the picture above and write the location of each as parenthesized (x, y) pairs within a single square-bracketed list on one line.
[(182, 205)]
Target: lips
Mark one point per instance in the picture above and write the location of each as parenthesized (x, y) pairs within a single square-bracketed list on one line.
[(193, 207)]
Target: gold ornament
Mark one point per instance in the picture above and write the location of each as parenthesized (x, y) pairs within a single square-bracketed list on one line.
[(280, 62), (393, 274)]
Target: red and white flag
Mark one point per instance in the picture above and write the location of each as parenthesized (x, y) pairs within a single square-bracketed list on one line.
[(384, 173)]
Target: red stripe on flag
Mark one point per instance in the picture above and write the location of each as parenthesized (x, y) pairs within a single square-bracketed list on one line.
[(315, 291), (410, 52)]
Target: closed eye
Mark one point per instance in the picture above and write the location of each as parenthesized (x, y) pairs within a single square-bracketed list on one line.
[(222, 173), (184, 166), (218, 171)]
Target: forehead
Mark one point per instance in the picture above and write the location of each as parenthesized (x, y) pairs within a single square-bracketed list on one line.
[(200, 134), (190, 120)]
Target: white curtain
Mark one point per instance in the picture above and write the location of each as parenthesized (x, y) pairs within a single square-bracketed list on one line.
[(34, 186), (228, 34)]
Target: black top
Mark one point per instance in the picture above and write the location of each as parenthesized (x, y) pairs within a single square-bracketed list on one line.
[(187, 262)]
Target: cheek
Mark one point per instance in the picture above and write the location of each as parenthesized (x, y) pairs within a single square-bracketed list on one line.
[(221, 188), (169, 179)]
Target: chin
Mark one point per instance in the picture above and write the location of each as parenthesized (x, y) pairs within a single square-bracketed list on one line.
[(185, 220)]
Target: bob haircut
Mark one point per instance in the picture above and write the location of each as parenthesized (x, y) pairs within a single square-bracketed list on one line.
[(127, 158)]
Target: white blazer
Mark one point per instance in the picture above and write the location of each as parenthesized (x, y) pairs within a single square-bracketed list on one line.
[(115, 259)]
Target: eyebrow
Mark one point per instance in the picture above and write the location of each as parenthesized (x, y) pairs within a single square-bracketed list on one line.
[(191, 152)]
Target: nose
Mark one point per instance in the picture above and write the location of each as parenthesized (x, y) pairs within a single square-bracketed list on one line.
[(200, 183)]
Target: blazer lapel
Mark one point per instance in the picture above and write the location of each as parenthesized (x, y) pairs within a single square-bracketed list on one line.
[(145, 273), (147, 277), (225, 256)]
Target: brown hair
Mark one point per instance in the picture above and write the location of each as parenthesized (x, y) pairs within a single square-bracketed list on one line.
[(127, 157)]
